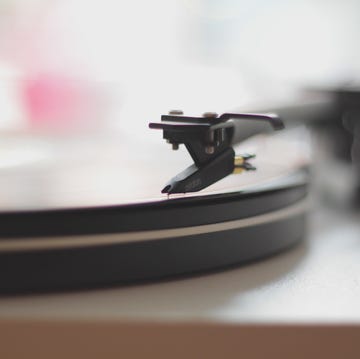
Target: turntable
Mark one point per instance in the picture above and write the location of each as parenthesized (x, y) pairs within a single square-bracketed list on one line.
[(89, 212)]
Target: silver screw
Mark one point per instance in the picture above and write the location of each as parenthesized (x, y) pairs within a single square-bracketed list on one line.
[(176, 112), (222, 134), (209, 150), (210, 114)]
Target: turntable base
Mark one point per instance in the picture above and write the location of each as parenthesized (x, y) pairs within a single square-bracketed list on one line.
[(303, 303)]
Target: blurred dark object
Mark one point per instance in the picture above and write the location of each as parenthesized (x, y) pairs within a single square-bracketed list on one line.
[(333, 116)]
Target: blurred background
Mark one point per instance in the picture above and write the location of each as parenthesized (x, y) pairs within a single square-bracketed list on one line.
[(79, 64), (75, 68)]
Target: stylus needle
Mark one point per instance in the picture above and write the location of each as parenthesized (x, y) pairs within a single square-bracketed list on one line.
[(209, 141)]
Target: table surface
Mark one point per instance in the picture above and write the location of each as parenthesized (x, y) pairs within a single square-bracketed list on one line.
[(316, 282)]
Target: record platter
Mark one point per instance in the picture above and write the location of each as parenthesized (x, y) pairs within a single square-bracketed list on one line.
[(83, 213)]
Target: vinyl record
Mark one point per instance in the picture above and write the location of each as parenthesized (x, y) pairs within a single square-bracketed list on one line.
[(87, 214)]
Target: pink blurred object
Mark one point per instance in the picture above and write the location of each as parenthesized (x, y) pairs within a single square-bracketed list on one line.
[(55, 101)]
